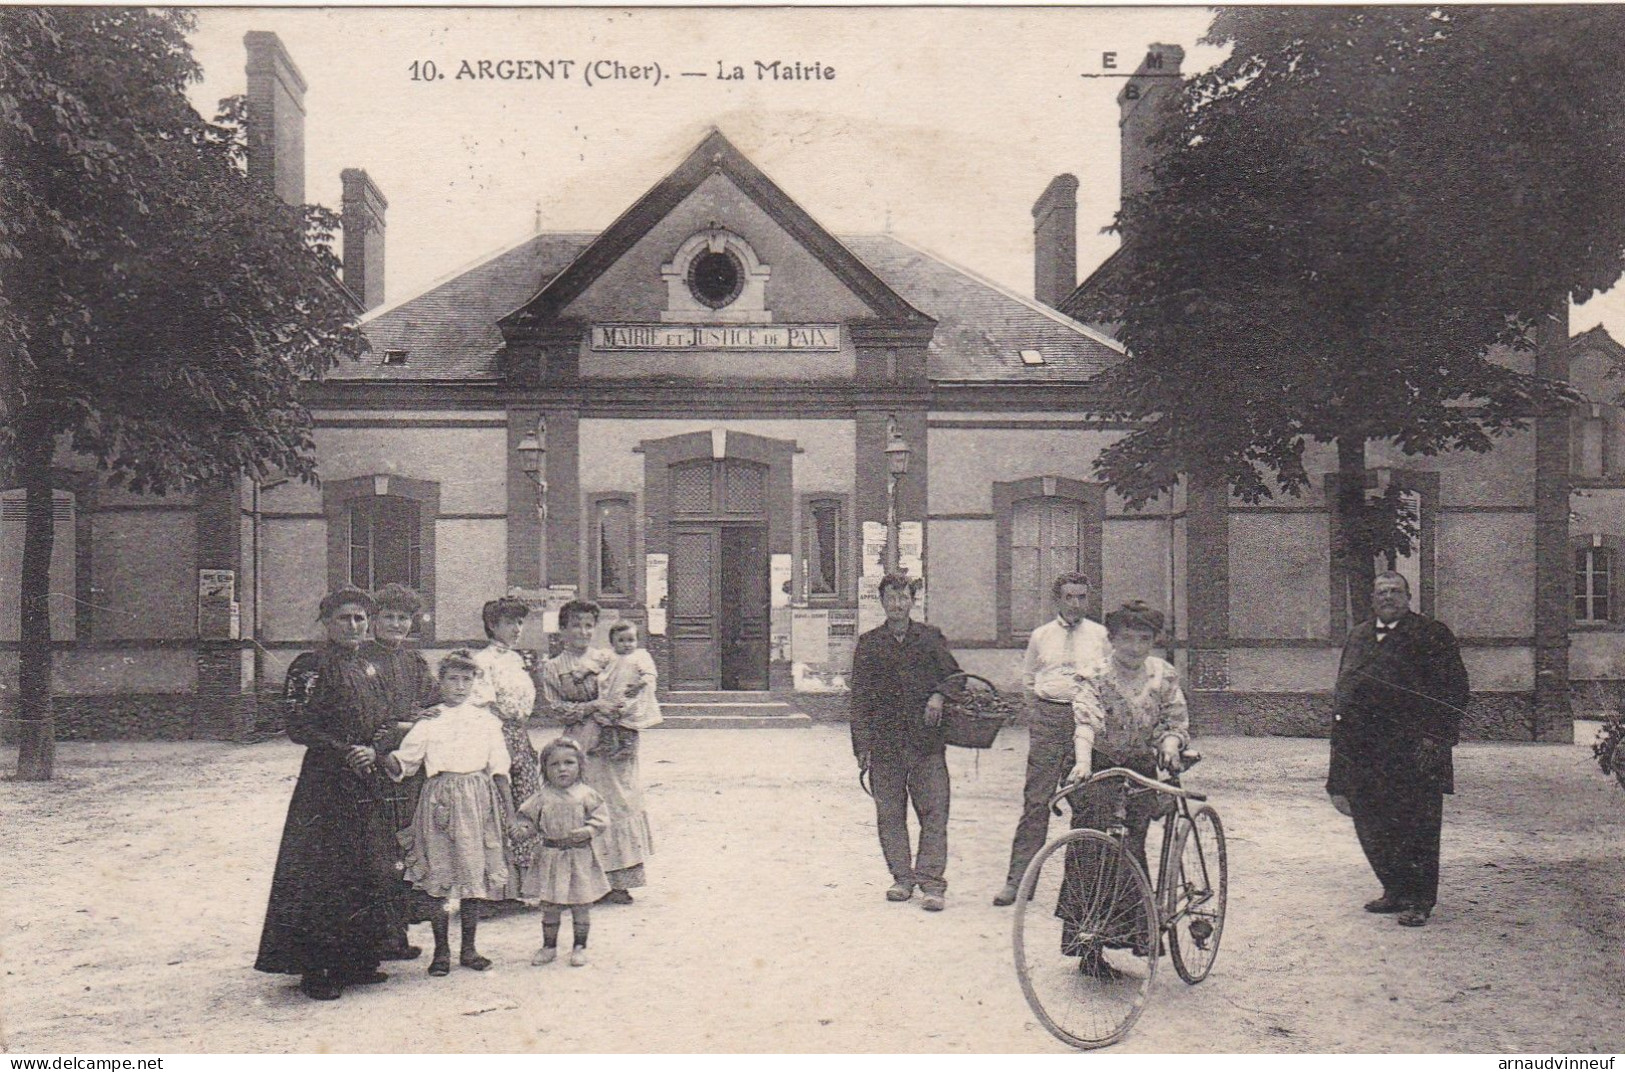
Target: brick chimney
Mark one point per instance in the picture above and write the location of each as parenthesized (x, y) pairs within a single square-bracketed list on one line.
[(1055, 241), (1155, 78), (363, 217), (276, 116)]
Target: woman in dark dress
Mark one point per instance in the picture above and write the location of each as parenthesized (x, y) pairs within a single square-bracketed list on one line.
[(411, 687), (329, 909)]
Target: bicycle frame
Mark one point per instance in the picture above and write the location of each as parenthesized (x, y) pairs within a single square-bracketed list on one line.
[(1079, 996), (1169, 912)]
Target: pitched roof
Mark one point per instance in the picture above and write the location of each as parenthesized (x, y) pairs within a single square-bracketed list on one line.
[(1598, 339), (982, 328), (450, 331), (1107, 273), (714, 155)]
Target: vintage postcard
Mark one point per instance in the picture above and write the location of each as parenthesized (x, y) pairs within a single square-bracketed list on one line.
[(735, 402)]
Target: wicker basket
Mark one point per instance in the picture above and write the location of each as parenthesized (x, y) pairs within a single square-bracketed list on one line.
[(973, 711)]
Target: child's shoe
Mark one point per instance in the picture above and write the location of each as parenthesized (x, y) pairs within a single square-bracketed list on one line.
[(545, 955), (578, 957), (470, 958)]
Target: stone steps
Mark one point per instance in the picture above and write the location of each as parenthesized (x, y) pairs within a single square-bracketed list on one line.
[(736, 710)]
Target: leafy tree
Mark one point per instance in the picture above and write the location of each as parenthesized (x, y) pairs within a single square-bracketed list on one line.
[(1345, 216), (158, 307)]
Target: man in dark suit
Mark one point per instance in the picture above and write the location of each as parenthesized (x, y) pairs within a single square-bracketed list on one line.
[(898, 739), (1401, 688)]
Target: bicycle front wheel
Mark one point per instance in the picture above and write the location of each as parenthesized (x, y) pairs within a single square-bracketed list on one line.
[(1194, 909), (1084, 938)]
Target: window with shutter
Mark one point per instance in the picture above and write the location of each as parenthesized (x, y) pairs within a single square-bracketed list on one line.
[(823, 537), (385, 542), (1045, 542), (613, 524)]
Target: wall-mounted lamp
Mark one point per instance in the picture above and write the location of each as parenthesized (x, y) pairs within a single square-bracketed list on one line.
[(897, 450), (533, 461), (897, 453)]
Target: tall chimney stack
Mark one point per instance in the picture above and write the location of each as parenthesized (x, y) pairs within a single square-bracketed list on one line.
[(1055, 241), (363, 215), (276, 117), (1154, 80)]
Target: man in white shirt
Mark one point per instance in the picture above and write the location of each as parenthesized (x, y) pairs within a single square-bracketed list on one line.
[(1058, 653)]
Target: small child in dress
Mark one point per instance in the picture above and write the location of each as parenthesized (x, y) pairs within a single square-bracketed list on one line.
[(455, 846), (565, 871), (628, 683)]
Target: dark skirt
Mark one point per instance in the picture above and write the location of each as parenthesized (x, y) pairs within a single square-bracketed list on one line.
[(336, 887), (1099, 904), (524, 777)]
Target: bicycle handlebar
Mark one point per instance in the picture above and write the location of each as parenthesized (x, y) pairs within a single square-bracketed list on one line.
[(1124, 773)]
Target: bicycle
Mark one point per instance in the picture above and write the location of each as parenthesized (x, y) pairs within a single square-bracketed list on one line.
[(1086, 912)]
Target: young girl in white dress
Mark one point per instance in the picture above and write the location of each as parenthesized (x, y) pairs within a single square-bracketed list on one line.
[(455, 850), (564, 872)]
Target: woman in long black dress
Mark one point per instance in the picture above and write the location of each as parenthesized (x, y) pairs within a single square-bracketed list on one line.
[(411, 687), (331, 893)]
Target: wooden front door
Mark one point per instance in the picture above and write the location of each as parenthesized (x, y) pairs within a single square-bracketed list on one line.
[(743, 607), (695, 553), (719, 605)]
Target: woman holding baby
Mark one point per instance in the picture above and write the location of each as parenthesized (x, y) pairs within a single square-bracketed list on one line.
[(571, 689)]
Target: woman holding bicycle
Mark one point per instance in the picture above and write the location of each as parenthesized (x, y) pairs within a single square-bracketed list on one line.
[(1130, 714)]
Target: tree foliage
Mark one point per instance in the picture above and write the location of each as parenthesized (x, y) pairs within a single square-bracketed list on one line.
[(1345, 216), (158, 308)]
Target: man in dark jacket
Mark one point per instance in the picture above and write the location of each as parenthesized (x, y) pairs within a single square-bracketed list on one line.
[(1401, 689), (898, 738)]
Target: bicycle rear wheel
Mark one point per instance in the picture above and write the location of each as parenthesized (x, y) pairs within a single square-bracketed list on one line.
[(1082, 935), (1193, 911)]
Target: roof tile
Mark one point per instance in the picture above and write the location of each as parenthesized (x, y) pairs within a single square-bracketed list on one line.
[(450, 331)]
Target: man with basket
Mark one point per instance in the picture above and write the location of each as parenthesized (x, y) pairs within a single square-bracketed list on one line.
[(898, 739)]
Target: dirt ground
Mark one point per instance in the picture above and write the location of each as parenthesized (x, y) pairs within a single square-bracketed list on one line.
[(134, 886)]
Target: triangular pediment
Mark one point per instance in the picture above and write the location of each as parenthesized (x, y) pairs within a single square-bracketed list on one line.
[(715, 190)]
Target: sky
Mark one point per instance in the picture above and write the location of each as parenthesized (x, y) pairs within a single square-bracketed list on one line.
[(941, 126)]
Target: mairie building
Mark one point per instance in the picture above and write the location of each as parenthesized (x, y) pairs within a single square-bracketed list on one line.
[(718, 419)]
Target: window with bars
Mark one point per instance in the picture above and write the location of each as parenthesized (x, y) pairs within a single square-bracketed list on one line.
[(385, 542), (612, 524), (725, 487), (1593, 576), (1046, 540), (822, 546)]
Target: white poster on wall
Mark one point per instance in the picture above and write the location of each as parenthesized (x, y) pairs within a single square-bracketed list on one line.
[(870, 612), (911, 560), (809, 636), (778, 585), (654, 587), (873, 558), (874, 549)]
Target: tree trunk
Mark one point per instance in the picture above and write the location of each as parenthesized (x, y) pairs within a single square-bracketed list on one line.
[(36, 732), (1355, 561), (1554, 591)]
